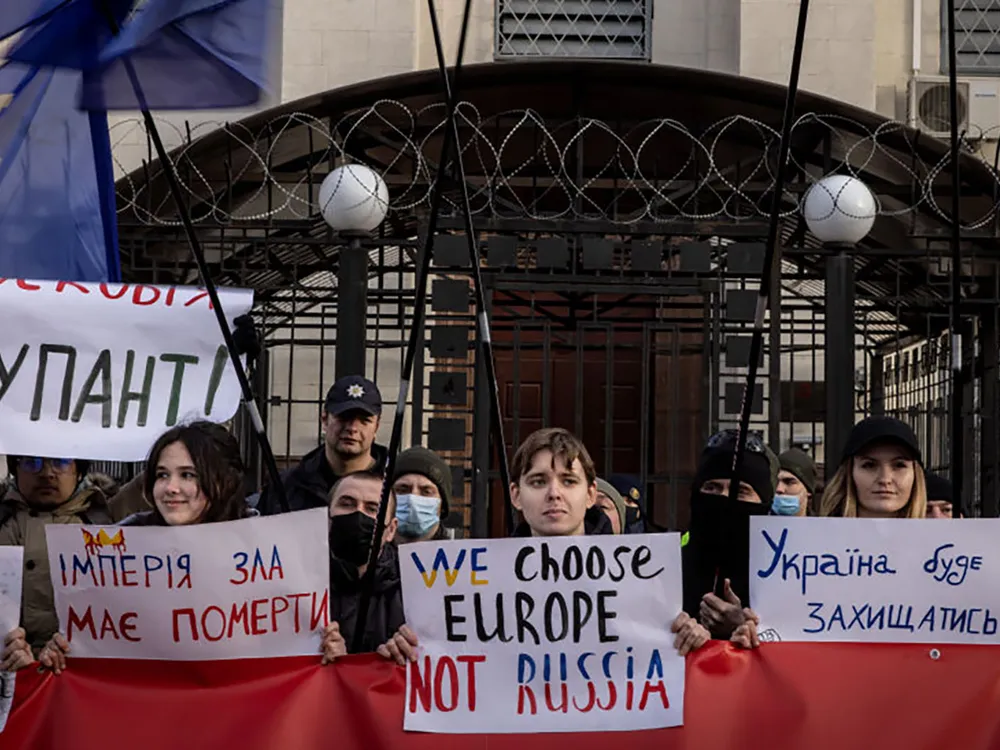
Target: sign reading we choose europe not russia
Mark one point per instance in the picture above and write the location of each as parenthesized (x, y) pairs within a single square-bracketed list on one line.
[(544, 634), (875, 580)]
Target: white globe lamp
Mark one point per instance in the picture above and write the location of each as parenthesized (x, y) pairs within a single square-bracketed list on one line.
[(353, 198), (839, 209)]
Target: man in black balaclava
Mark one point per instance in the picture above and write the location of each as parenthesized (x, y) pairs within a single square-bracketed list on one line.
[(717, 553), (354, 502)]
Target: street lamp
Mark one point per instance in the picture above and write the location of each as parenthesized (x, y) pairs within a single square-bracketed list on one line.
[(840, 211), (353, 201)]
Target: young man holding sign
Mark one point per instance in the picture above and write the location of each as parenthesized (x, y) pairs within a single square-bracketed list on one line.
[(553, 485)]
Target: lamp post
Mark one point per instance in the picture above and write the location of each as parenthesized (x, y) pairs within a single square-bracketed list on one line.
[(353, 200), (839, 211)]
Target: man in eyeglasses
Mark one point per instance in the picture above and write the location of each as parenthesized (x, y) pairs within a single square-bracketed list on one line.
[(40, 491), (716, 555)]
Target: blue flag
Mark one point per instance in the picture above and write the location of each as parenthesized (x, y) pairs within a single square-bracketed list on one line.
[(57, 203), (185, 54)]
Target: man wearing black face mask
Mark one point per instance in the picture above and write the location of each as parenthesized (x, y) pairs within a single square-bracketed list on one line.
[(354, 502)]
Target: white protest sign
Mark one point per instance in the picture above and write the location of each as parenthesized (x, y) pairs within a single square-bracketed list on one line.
[(875, 580), (238, 589), (11, 569), (99, 371), (566, 634)]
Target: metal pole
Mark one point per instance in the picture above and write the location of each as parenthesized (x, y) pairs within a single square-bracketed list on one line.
[(838, 335), (352, 309), (771, 254), (955, 312), (482, 316), (173, 182), (419, 305)]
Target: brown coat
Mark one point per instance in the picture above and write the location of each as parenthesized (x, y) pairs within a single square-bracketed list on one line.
[(25, 527)]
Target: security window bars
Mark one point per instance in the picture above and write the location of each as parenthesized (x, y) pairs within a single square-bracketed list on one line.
[(573, 28), (977, 36)]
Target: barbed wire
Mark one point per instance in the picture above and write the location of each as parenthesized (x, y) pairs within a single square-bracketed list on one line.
[(526, 166)]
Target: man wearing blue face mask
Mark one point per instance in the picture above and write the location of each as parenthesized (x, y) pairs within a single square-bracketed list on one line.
[(796, 484), (421, 483)]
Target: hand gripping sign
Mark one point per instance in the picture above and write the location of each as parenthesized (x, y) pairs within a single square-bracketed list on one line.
[(100, 370), (238, 589), (566, 634)]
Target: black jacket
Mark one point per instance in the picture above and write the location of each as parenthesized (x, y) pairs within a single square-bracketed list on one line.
[(595, 521), (308, 484), (385, 614)]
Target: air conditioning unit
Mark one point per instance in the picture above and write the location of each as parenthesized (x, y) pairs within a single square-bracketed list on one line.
[(978, 107)]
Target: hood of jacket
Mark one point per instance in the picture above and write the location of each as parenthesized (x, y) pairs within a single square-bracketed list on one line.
[(84, 497)]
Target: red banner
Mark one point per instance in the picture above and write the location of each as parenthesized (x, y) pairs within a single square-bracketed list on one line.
[(780, 697)]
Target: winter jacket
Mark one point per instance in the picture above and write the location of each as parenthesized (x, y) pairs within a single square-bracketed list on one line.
[(151, 518), (595, 522), (23, 526), (308, 484), (385, 613)]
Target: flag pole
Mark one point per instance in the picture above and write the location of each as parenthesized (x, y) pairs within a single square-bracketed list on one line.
[(419, 308), (772, 253), (957, 452), (482, 316), (173, 183)]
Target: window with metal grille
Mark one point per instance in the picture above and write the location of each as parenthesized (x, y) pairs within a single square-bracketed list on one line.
[(977, 36), (573, 28)]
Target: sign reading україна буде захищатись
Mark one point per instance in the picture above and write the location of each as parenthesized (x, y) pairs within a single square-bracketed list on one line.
[(567, 634), (100, 370), (892, 580)]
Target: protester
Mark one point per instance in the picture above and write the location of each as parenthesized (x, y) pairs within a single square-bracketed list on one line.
[(421, 485), (194, 473), (40, 491), (880, 474), (556, 500), (716, 557), (350, 421), (354, 503), (628, 487), (610, 502), (796, 483), (940, 497), (553, 484)]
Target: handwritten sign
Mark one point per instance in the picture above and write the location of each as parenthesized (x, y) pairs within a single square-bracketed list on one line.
[(564, 634), (11, 568), (251, 588), (885, 580), (99, 371)]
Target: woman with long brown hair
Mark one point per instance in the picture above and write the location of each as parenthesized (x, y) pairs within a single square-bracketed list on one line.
[(194, 474), (881, 474)]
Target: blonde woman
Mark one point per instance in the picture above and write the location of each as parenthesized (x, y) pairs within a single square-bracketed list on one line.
[(880, 475)]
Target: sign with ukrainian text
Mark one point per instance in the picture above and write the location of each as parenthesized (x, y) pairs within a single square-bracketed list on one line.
[(99, 371), (240, 589), (547, 634), (875, 580)]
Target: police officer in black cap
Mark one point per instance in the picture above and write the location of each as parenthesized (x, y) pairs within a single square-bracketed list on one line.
[(350, 421)]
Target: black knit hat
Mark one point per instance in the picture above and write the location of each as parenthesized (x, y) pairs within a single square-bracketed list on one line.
[(881, 430), (939, 488), (717, 463), (796, 461), (426, 463)]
